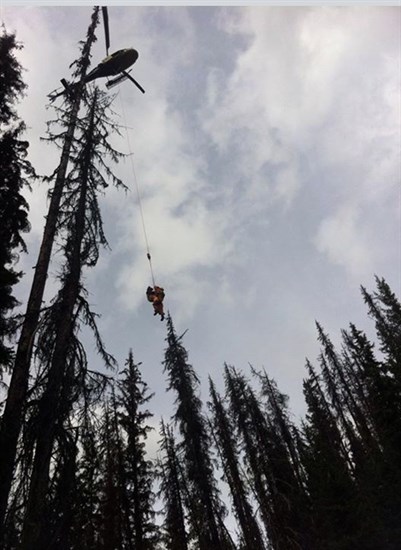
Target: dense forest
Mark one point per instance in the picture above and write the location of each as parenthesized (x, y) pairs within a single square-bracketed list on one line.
[(75, 471)]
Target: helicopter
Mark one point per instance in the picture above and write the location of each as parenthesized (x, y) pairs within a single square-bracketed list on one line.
[(115, 64)]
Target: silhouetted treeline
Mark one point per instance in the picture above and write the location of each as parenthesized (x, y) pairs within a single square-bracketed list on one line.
[(331, 481), (81, 464)]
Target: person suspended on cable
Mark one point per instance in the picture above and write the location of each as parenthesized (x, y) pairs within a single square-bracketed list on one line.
[(156, 296)]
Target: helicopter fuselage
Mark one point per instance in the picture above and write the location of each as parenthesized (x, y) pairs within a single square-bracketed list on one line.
[(113, 64)]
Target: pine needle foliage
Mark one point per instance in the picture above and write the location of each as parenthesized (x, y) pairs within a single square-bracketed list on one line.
[(207, 511), (251, 536), (174, 536), (139, 470), (16, 173), (16, 403), (81, 233)]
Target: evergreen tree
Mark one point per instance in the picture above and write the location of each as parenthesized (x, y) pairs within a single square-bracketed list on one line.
[(251, 536), (206, 508), (385, 309), (112, 522), (62, 490), (282, 500), (253, 455), (139, 471), (16, 399), (382, 382), (278, 413), (376, 477), (85, 525), (329, 479), (15, 171), (81, 221), (357, 358), (175, 536), (341, 400)]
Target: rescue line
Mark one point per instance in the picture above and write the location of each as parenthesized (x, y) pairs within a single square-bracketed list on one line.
[(155, 294)]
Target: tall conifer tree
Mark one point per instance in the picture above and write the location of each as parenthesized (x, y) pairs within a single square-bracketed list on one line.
[(85, 524), (329, 479), (206, 507), (112, 524), (175, 535), (282, 500), (14, 173), (139, 470), (251, 536), (16, 399), (81, 221)]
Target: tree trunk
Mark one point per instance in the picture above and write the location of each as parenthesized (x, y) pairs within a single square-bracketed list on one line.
[(51, 402), (12, 418)]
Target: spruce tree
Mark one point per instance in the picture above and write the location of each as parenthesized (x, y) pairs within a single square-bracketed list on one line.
[(341, 399), (112, 522), (278, 412), (16, 398), (62, 491), (383, 380), (251, 536), (282, 500), (16, 171), (236, 387), (85, 525), (139, 470), (207, 511), (83, 234), (376, 477), (329, 480), (385, 310), (175, 535)]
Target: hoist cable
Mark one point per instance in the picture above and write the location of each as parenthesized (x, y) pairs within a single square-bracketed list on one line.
[(138, 194)]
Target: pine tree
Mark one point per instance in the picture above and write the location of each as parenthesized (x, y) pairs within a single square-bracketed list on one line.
[(341, 399), (383, 383), (278, 412), (254, 459), (206, 508), (81, 221), (62, 491), (112, 522), (385, 309), (15, 172), (175, 535), (16, 399), (375, 478), (251, 536), (139, 471), (357, 359), (329, 479), (282, 500), (85, 524)]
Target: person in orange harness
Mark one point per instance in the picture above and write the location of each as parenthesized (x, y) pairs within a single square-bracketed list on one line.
[(156, 296)]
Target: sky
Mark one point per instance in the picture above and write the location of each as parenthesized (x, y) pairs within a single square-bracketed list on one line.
[(267, 154)]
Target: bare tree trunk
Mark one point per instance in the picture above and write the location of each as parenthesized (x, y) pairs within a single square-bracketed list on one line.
[(12, 418)]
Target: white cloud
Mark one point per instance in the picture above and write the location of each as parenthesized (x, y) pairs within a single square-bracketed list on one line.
[(302, 70), (315, 86), (342, 237)]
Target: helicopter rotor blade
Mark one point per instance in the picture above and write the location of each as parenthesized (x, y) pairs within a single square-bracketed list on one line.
[(134, 81), (106, 28)]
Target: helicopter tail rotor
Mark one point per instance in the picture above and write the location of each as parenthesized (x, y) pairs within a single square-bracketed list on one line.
[(134, 81)]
